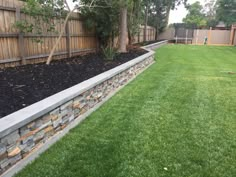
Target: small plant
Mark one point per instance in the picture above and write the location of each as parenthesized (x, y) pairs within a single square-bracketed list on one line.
[(109, 53)]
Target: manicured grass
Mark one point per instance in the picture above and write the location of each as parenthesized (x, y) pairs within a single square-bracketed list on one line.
[(177, 119)]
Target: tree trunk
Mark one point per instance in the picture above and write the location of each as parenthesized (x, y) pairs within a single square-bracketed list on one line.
[(156, 35), (130, 37), (59, 38), (145, 24), (123, 30)]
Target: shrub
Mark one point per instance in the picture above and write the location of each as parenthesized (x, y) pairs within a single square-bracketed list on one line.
[(109, 53)]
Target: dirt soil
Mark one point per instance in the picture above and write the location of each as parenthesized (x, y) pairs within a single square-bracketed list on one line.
[(24, 85)]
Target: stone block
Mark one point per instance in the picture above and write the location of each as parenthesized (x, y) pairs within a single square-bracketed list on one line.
[(71, 118), (49, 131), (15, 159), (3, 149), (39, 136), (11, 138), (29, 145), (4, 163), (3, 156), (46, 119), (24, 130), (28, 136), (66, 113), (45, 125), (55, 112), (14, 151), (76, 112), (66, 105), (31, 126), (57, 123), (38, 123)]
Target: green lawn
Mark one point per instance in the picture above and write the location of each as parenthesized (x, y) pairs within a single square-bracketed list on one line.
[(177, 119)]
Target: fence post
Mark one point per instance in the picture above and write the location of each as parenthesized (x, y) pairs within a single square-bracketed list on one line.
[(20, 39), (232, 35), (209, 36), (186, 37), (68, 49)]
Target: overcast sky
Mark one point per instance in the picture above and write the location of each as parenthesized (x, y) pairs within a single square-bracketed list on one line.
[(176, 16)]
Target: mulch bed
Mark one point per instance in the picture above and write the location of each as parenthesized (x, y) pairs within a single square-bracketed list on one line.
[(24, 85)]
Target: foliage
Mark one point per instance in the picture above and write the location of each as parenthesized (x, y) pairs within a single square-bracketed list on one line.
[(135, 18), (43, 15), (109, 53), (159, 11), (210, 13), (226, 11), (106, 20), (213, 12), (195, 15)]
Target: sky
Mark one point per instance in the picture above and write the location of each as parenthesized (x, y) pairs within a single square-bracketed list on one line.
[(176, 16)]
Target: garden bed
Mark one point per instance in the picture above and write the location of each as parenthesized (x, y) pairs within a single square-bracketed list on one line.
[(25, 85)]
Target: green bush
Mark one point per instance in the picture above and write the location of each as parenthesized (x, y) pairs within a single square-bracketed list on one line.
[(109, 53)]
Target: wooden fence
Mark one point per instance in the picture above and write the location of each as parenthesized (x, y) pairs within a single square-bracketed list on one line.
[(20, 48), (214, 36), (16, 47), (151, 32)]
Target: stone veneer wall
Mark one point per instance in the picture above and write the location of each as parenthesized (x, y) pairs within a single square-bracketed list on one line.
[(21, 138), (155, 46)]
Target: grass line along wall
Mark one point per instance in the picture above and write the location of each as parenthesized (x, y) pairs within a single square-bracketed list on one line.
[(28, 130)]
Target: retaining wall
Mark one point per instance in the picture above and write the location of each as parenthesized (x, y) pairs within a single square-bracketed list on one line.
[(30, 131), (156, 45)]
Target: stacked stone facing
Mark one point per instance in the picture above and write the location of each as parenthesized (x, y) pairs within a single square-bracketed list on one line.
[(23, 141)]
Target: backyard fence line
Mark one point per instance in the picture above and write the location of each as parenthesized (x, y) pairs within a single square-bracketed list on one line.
[(20, 48), (17, 48), (214, 36), (150, 35)]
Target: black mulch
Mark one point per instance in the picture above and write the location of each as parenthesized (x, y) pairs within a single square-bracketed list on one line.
[(24, 85)]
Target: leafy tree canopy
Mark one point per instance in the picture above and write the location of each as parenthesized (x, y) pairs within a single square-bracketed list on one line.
[(226, 11), (195, 15)]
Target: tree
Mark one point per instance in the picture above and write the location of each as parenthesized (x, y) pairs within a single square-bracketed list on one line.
[(116, 21), (159, 11), (46, 10), (210, 12), (195, 15), (134, 18), (105, 21), (226, 11)]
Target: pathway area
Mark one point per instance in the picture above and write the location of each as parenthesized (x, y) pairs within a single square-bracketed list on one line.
[(177, 119)]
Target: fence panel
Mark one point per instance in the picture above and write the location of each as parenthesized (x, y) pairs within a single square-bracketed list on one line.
[(16, 47), (151, 32)]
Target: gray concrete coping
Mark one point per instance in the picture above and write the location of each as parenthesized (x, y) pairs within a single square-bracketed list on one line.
[(155, 44), (26, 115)]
